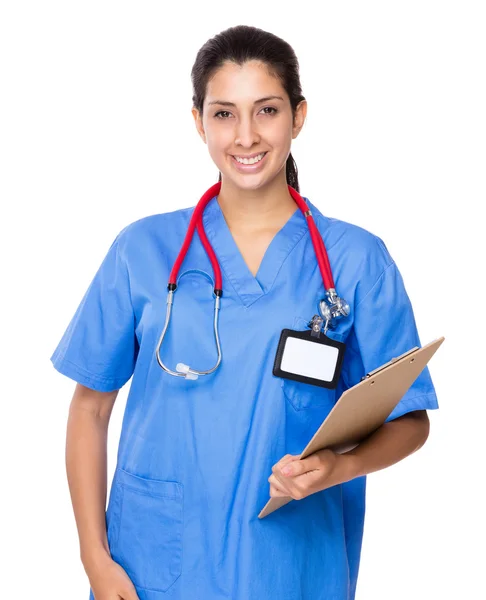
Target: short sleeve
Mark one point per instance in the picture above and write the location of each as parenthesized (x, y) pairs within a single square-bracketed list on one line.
[(99, 347), (384, 327)]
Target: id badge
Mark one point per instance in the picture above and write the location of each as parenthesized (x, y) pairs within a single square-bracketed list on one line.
[(312, 359)]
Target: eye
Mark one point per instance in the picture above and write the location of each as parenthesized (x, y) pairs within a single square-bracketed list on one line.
[(221, 112)]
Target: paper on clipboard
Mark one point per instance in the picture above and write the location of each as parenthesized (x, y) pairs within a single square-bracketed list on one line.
[(363, 408)]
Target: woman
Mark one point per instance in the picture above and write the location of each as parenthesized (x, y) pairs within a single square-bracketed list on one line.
[(198, 459)]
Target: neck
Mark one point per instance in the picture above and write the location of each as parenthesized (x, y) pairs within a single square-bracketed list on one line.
[(252, 210)]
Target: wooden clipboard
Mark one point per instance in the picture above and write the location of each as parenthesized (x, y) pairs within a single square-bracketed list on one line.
[(365, 407)]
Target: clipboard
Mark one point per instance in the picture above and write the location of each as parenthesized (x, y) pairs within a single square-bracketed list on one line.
[(365, 407)]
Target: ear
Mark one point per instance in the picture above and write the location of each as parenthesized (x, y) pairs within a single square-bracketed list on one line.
[(299, 119), (199, 125)]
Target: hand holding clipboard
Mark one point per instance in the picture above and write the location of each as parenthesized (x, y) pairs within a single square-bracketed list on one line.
[(365, 407)]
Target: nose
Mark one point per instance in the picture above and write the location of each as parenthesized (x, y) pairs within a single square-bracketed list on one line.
[(246, 133)]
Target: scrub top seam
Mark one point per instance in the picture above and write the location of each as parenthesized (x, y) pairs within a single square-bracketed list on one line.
[(292, 248), (125, 266), (223, 263), (418, 396), (375, 284), (60, 360), (248, 300), (230, 277), (428, 402)]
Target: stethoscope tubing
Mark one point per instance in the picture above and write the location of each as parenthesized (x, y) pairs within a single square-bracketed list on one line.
[(196, 222)]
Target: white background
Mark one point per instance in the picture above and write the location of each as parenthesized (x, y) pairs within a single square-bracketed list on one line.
[(96, 131)]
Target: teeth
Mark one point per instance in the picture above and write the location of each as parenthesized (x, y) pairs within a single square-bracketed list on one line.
[(250, 161)]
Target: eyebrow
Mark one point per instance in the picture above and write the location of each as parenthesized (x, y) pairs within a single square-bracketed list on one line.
[(266, 99)]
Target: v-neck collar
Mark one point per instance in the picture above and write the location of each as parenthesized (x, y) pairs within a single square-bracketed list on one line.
[(250, 287)]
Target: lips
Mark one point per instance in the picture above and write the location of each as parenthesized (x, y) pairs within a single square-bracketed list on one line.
[(249, 168)]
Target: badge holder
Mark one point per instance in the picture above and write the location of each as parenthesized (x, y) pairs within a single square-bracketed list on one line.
[(311, 356)]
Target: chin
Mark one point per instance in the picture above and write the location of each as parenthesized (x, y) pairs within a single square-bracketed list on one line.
[(247, 182)]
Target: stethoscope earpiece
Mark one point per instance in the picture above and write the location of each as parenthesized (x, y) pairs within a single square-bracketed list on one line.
[(182, 368)]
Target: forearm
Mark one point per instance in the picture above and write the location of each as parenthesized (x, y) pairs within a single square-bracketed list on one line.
[(389, 444), (323, 469), (86, 466)]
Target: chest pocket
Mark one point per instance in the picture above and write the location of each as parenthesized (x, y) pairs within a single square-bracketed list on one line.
[(303, 396)]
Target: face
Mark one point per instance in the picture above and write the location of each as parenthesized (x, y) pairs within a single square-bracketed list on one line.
[(247, 113)]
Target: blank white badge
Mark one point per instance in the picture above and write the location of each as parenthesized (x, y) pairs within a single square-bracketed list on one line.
[(307, 359), (310, 359)]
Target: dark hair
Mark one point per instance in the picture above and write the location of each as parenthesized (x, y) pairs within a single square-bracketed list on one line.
[(244, 43)]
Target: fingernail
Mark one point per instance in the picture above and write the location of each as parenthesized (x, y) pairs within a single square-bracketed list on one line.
[(287, 470)]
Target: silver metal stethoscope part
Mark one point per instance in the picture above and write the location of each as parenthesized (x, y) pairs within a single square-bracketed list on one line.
[(184, 370), (332, 307)]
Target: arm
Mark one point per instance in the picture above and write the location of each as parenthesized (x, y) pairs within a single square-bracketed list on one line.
[(390, 443), (86, 459), (98, 350), (371, 342)]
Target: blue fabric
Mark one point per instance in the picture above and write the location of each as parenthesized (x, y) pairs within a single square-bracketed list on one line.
[(194, 457)]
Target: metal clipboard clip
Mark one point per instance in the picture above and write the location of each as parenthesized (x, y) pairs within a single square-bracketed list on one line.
[(393, 360)]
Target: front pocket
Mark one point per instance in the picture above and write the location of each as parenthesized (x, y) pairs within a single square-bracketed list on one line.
[(304, 396), (148, 544)]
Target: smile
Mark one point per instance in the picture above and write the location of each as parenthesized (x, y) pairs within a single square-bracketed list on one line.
[(250, 161)]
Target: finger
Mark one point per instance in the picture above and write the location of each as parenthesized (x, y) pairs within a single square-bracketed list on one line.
[(277, 492), (285, 460), (311, 463), (287, 486), (130, 594), (290, 487)]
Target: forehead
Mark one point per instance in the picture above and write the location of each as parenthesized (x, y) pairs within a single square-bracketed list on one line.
[(238, 83)]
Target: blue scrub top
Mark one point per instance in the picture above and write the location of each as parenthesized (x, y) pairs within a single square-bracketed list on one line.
[(194, 457)]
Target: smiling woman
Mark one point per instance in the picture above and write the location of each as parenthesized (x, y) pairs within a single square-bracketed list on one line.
[(195, 455), (253, 128), (255, 79)]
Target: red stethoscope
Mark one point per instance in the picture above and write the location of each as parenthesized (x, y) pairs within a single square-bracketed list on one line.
[(331, 307)]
